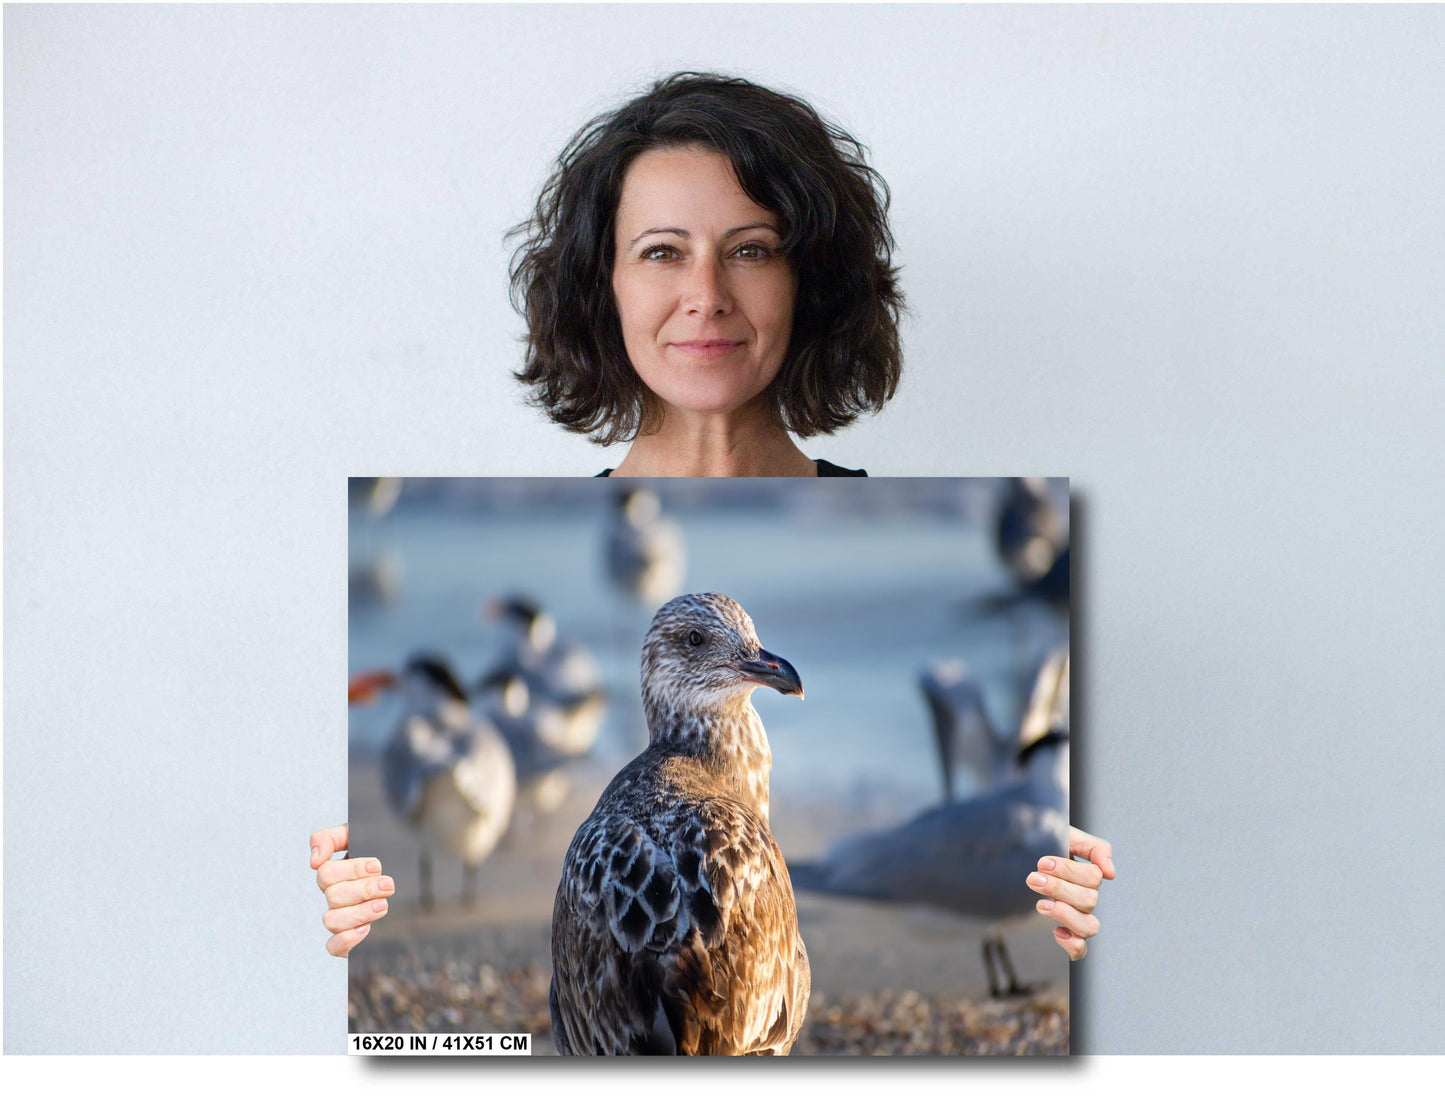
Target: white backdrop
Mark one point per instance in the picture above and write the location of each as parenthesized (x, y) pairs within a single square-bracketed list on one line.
[(1192, 257)]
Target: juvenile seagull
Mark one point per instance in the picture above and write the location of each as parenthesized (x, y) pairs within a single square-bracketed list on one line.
[(973, 857), (448, 775), (675, 930)]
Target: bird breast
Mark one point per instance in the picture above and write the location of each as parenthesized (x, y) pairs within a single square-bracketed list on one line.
[(675, 928)]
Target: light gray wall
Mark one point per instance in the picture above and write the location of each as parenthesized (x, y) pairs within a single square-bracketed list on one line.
[(1192, 257)]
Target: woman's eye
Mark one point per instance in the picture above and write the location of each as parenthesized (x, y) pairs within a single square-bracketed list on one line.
[(753, 252), (659, 253)]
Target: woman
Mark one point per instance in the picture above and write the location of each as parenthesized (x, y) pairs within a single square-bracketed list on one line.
[(707, 275)]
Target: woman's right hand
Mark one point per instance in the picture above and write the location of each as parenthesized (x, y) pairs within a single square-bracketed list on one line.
[(356, 890)]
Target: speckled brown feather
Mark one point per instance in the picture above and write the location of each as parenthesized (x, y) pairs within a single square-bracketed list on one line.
[(675, 928)]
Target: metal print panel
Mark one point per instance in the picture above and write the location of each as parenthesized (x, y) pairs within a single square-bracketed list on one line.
[(722, 766)]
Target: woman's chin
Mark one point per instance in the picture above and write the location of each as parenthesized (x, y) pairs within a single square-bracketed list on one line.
[(712, 401)]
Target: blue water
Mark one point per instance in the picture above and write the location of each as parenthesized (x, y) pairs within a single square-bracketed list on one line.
[(859, 588)]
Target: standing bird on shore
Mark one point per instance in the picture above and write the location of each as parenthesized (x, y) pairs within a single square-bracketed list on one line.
[(375, 573), (972, 857), (536, 731), (448, 775), (563, 670), (1029, 532), (561, 683), (675, 930), (646, 560), (972, 755)]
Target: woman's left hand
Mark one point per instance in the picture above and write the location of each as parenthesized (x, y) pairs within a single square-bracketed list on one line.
[(1071, 889)]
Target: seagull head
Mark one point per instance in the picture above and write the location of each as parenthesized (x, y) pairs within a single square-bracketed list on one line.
[(533, 624), (428, 682), (702, 654), (638, 506)]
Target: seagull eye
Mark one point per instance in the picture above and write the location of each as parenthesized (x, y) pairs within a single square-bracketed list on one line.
[(695, 638)]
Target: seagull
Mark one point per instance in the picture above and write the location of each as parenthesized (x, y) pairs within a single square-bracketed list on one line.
[(376, 574), (675, 930), (1029, 532), (646, 559), (536, 731), (447, 774), (968, 745), (1052, 587), (563, 670), (971, 857)]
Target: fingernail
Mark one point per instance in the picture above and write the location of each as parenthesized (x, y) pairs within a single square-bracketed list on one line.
[(1046, 904), (380, 905), (1062, 933), (1038, 880), (386, 885), (1111, 866), (373, 866), (315, 854), (1046, 864)]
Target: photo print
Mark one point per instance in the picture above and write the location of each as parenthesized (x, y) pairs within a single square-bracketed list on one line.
[(719, 766)]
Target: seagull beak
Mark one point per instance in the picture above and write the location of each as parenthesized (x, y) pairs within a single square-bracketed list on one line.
[(363, 687), (771, 671)]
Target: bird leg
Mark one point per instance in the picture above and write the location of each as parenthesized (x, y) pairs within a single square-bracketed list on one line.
[(995, 989), (469, 885), (1014, 987)]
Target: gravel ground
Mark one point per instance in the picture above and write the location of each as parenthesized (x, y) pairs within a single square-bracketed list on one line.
[(437, 992), (885, 980)]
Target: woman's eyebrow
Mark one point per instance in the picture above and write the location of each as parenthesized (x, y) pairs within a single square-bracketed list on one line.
[(682, 233)]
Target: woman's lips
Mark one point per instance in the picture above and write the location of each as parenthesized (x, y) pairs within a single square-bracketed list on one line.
[(706, 349)]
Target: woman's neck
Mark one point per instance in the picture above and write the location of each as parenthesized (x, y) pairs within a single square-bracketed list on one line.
[(719, 445)]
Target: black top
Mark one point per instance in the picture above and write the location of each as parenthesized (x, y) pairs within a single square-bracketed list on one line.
[(825, 470)]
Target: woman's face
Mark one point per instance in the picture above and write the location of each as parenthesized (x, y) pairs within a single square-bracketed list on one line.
[(705, 300)]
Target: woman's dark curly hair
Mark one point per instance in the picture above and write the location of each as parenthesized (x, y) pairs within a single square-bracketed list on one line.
[(844, 356)]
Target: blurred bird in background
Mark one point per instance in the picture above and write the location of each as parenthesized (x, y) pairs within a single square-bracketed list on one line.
[(972, 857), (447, 774), (537, 731), (561, 681), (973, 756), (1029, 533), (375, 572), (646, 559), (1033, 543)]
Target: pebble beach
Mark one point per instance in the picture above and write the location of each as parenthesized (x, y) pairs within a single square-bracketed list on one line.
[(886, 980)]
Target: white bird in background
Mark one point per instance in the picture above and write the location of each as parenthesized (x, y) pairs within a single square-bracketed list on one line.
[(675, 930), (562, 682), (447, 774), (972, 857), (537, 732), (564, 670), (375, 575), (1029, 532), (646, 559), (973, 756)]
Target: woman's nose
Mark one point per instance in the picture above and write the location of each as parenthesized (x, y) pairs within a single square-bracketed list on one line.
[(707, 290)]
